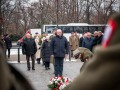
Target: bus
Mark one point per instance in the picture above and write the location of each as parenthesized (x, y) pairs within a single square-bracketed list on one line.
[(78, 27)]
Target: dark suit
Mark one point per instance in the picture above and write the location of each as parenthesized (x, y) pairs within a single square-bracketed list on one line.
[(29, 48), (59, 47)]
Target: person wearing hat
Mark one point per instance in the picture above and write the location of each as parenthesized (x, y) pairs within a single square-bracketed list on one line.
[(102, 72), (82, 53)]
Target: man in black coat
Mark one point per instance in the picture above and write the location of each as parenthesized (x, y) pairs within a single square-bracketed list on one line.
[(29, 48), (95, 39), (100, 37), (8, 43), (59, 48)]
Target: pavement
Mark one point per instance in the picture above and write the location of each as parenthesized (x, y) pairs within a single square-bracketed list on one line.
[(40, 77)]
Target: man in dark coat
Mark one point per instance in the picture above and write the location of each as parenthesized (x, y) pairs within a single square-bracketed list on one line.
[(102, 72), (87, 42), (59, 48), (29, 48), (8, 43), (95, 39), (100, 37)]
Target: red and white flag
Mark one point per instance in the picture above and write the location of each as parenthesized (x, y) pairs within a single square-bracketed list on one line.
[(109, 32)]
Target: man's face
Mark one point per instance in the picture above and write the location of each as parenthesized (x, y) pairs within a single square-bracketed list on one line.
[(28, 35), (95, 34), (72, 33), (88, 35), (59, 32), (99, 34)]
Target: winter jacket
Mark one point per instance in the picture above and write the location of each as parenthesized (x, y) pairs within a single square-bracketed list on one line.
[(100, 39), (87, 43), (74, 42), (29, 46), (80, 42), (8, 42), (46, 50), (59, 46)]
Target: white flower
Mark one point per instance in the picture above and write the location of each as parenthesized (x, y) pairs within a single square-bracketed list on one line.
[(56, 82), (50, 82), (62, 86), (59, 79)]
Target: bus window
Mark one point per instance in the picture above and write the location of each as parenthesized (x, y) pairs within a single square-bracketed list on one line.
[(85, 29), (79, 29), (92, 29), (49, 28), (68, 29), (101, 28)]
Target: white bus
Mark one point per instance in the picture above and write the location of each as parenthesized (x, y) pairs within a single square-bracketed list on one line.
[(78, 27)]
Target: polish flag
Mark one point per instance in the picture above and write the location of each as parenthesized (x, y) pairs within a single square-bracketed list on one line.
[(109, 32)]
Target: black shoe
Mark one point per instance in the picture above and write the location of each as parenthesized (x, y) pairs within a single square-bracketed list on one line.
[(33, 68), (46, 68), (38, 60), (28, 69)]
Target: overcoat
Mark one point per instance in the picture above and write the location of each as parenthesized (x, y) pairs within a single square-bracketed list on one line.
[(74, 42)]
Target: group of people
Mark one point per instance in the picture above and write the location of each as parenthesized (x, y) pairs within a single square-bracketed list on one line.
[(87, 40), (56, 47), (46, 47), (102, 72)]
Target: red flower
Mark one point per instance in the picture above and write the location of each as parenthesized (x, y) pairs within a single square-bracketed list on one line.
[(55, 89)]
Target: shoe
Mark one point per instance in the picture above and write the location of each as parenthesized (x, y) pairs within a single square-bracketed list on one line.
[(38, 60), (46, 68), (28, 69), (33, 68)]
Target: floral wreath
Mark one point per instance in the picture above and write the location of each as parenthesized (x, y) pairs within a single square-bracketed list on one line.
[(59, 83)]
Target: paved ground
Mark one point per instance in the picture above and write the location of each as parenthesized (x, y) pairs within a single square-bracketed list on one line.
[(40, 77)]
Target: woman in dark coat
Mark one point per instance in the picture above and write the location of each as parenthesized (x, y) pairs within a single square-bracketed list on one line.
[(46, 52)]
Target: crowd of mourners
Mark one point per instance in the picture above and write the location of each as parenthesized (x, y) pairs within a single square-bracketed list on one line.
[(45, 49), (100, 73)]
